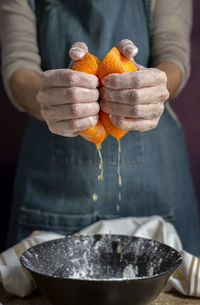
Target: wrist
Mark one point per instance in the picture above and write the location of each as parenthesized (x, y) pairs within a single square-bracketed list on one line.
[(24, 85), (174, 77)]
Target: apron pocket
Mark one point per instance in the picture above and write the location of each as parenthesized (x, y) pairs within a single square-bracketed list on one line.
[(32, 219), (78, 151)]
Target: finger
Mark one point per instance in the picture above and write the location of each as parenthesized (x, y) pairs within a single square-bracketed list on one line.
[(67, 78), (70, 111), (65, 127), (127, 48), (59, 96), (140, 67), (71, 64), (139, 79), (71, 134), (134, 124), (78, 50), (151, 95), (150, 111)]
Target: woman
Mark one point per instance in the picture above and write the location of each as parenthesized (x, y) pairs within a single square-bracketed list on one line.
[(57, 170)]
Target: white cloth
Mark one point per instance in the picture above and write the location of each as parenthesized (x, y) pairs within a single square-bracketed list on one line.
[(186, 279)]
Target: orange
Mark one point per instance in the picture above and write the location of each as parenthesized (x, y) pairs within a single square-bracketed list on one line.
[(89, 64), (95, 134), (114, 62), (110, 128)]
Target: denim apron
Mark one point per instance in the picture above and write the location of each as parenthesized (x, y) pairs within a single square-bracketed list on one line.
[(57, 176)]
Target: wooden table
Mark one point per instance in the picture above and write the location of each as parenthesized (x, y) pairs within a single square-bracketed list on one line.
[(36, 299)]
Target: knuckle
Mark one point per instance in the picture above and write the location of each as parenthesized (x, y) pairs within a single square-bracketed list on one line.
[(96, 93), (45, 77), (159, 76), (120, 123), (74, 93), (115, 82), (110, 107), (136, 96), (47, 112), (97, 107), (92, 121), (105, 106), (137, 80), (71, 77), (167, 95), (93, 109), (139, 126), (52, 128), (65, 91), (133, 96), (136, 110), (158, 111), (163, 76), (41, 97), (153, 125), (44, 113), (161, 109), (164, 95), (73, 124), (75, 110)]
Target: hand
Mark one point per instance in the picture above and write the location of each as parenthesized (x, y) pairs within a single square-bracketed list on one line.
[(68, 99), (134, 100)]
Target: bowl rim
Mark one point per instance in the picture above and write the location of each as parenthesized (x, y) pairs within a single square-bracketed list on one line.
[(169, 271)]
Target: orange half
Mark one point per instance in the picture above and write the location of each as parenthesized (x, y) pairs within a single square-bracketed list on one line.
[(89, 64), (114, 62)]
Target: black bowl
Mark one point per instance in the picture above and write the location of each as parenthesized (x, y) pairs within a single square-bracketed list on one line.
[(101, 269)]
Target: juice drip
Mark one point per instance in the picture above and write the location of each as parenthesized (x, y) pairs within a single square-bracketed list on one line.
[(119, 251), (118, 169), (95, 197), (118, 166), (118, 207), (100, 176)]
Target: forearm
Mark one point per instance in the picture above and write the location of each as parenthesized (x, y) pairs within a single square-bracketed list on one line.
[(24, 85), (174, 77), (170, 40)]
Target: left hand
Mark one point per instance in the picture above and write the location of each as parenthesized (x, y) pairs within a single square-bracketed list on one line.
[(134, 100)]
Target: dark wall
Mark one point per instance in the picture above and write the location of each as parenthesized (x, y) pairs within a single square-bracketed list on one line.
[(187, 105), (12, 125)]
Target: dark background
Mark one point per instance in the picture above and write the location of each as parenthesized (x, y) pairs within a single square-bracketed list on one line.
[(12, 125)]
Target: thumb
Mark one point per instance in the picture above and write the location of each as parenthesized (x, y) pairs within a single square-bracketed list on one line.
[(77, 51), (128, 48)]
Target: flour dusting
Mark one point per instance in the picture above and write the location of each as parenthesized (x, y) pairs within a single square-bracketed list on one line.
[(100, 257)]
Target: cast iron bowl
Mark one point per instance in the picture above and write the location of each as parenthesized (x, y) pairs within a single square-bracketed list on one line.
[(101, 269)]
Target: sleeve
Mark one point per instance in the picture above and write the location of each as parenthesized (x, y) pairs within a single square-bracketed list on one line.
[(170, 34), (18, 40)]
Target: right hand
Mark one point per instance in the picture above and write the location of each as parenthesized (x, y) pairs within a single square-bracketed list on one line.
[(68, 99)]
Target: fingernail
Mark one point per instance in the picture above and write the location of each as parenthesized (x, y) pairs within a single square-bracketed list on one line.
[(130, 49), (77, 51)]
